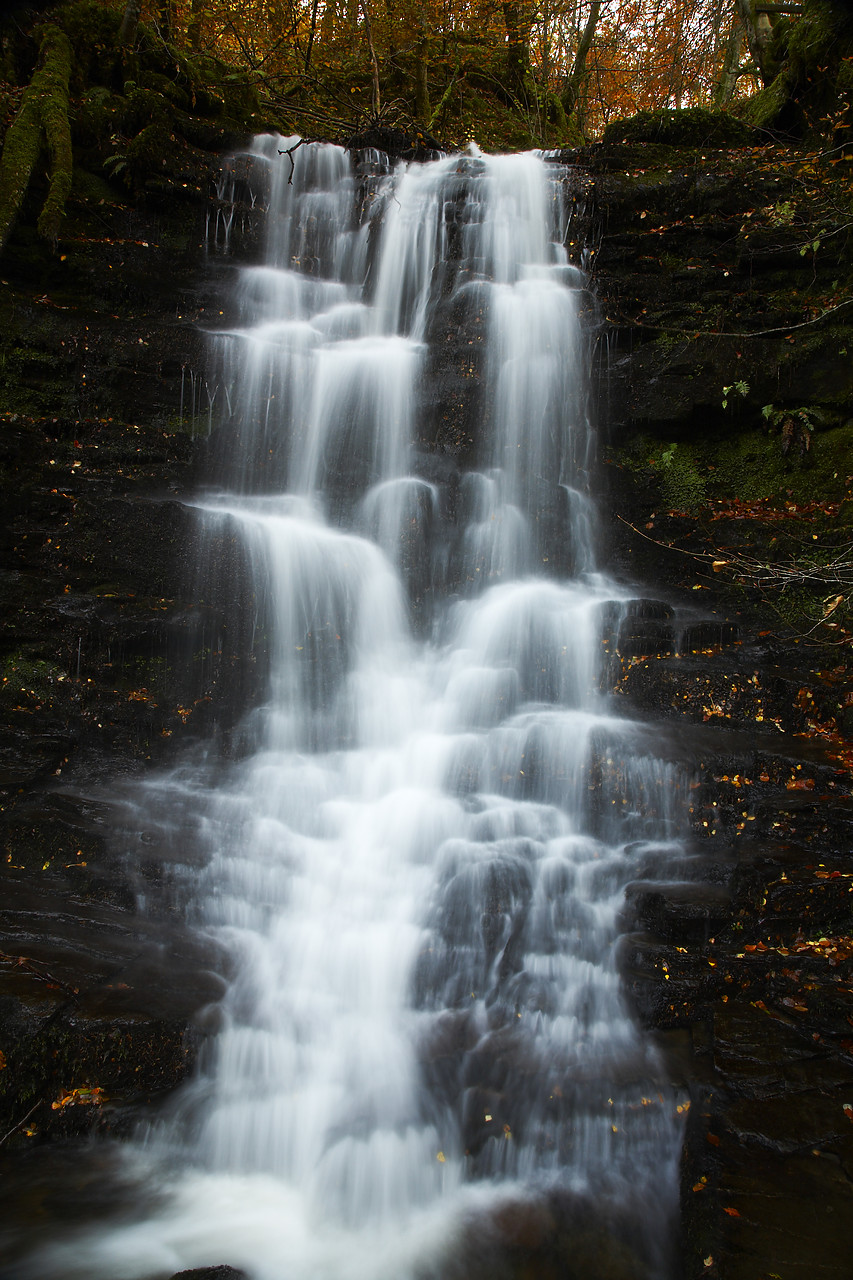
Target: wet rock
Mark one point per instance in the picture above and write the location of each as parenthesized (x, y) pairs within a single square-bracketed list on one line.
[(222, 1272), (562, 1237), (685, 913), (100, 609), (395, 143)]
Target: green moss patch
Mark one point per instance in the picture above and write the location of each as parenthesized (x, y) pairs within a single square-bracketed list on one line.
[(42, 122), (691, 127)]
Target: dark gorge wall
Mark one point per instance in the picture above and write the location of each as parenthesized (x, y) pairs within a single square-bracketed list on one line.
[(720, 276), (110, 657), (727, 416)]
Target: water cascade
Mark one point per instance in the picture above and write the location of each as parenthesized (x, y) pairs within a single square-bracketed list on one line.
[(416, 859)]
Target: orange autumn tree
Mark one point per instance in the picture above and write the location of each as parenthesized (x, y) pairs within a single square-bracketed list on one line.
[(562, 69), (591, 60), (611, 58)]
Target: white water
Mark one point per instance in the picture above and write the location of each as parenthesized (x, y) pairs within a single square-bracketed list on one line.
[(417, 867)]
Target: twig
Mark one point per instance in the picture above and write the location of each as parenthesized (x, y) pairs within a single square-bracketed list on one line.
[(288, 151), (21, 962), (21, 1123), (732, 333), (837, 574), (668, 546)]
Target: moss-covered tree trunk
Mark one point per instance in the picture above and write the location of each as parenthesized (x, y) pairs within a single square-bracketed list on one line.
[(759, 36), (517, 23), (42, 121), (806, 69), (421, 77), (730, 70)]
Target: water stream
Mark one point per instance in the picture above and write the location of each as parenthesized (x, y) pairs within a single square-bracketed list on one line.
[(416, 863)]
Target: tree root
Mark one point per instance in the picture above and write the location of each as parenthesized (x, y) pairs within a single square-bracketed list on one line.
[(41, 121)]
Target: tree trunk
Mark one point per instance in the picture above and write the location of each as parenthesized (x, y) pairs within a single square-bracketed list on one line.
[(129, 23), (725, 88), (518, 50), (311, 33), (374, 61), (195, 26), (572, 93), (422, 107), (759, 32)]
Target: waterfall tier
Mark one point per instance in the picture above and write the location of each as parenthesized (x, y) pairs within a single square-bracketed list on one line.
[(417, 865)]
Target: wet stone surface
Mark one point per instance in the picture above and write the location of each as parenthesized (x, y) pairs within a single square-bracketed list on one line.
[(757, 973), (741, 966)]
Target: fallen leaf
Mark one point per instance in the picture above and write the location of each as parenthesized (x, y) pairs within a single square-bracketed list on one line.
[(79, 1098)]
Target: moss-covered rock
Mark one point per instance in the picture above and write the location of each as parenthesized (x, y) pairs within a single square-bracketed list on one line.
[(767, 110), (690, 127)]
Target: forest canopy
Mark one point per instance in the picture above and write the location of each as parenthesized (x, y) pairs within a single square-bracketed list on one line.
[(571, 65), (127, 82), (565, 68)]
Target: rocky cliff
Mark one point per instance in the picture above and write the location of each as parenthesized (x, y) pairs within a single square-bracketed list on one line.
[(722, 331)]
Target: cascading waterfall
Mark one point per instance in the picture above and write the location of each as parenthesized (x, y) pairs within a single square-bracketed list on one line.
[(417, 865)]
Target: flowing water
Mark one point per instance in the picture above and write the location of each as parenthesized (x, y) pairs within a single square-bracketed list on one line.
[(424, 1064)]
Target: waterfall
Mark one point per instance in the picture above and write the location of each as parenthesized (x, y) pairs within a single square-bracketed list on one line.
[(424, 1063)]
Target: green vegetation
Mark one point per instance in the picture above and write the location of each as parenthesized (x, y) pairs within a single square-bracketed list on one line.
[(691, 127), (42, 121), (169, 104)]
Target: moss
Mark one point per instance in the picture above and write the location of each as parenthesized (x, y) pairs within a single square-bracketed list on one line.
[(50, 1056), (815, 38), (43, 117), (165, 88), (56, 49), (845, 76), (92, 28), (92, 187), (20, 152), (144, 107), (22, 673), (748, 465), (806, 98), (692, 127), (99, 113), (146, 153), (683, 479), (766, 110)]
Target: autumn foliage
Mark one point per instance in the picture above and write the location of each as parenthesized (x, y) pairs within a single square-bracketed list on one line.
[(510, 72), (568, 66)]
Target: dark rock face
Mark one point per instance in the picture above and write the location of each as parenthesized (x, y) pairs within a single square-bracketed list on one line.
[(115, 655), (109, 657), (396, 144), (211, 1273), (707, 272)]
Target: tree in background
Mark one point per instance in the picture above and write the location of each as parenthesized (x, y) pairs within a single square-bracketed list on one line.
[(508, 72), (599, 59)]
